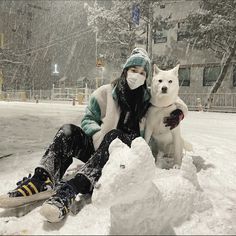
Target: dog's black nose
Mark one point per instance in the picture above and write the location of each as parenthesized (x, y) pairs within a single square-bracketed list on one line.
[(164, 89)]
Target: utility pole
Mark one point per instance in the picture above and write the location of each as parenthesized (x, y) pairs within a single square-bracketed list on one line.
[(32, 10), (1, 83), (96, 51), (135, 19), (149, 29)]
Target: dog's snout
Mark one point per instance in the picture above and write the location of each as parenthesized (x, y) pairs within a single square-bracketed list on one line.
[(164, 89)]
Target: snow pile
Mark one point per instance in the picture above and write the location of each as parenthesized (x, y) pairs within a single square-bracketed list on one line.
[(179, 190), (141, 201), (26, 130), (127, 173)]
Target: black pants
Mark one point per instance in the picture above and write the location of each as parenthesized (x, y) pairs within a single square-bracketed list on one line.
[(71, 141)]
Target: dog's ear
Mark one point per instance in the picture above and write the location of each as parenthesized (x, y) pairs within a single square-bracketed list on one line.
[(176, 70), (156, 70)]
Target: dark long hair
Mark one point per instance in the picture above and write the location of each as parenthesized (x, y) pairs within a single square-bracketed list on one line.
[(123, 75), (126, 96)]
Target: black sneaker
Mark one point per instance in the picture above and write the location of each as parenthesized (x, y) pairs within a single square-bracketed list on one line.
[(59, 204), (29, 189)]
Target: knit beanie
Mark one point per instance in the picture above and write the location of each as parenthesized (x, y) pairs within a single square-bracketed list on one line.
[(139, 57)]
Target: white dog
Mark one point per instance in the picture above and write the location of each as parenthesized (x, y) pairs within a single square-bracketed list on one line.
[(164, 100)]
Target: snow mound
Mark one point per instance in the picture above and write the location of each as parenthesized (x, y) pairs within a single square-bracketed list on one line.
[(178, 191), (141, 198), (127, 173)]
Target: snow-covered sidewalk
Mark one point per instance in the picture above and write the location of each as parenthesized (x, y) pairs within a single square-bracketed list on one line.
[(27, 128)]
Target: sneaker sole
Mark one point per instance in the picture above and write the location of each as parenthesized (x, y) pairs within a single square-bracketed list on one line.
[(50, 212), (11, 202)]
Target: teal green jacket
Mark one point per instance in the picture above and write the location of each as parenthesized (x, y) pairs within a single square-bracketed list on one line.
[(102, 114)]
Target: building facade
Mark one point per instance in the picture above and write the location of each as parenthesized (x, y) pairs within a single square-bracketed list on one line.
[(45, 43), (199, 69)]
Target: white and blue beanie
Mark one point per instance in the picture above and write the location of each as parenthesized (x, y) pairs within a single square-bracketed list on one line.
[(139, 57)]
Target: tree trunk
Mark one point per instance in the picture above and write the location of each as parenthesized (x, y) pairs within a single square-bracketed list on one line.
[(220, 78)]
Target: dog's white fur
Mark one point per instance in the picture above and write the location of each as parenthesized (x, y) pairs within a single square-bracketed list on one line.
[(164, 100)]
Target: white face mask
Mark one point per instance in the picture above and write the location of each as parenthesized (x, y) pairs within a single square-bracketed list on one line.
[(135, 80)]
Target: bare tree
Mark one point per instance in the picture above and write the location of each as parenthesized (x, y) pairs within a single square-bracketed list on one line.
[(213, 27)]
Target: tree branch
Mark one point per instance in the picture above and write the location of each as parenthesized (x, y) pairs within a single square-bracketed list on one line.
[(10, 61)]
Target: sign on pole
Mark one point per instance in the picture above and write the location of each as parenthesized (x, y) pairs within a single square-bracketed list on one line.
[(135, 14), (100, 62)]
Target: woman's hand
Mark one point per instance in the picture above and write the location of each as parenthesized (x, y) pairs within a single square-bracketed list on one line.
[(173, 120)]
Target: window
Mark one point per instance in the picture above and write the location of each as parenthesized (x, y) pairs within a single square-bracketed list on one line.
[(160, 37), (234, 76), (184, 76), (162, 6), (141, 41), (28, 34), (29, 15), (210, 75), (182, 32)]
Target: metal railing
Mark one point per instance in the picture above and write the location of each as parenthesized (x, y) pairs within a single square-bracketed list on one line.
[(56, 94), (221, 101), (25, 95), (65, 94)]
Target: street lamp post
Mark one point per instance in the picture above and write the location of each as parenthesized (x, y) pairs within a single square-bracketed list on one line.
[(149, 30), (1, 82)]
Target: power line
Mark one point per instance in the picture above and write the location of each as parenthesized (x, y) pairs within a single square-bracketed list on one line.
[(52, 43)]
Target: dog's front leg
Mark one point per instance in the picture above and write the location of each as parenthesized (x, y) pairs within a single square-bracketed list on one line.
[(177, 147), (148, 133)]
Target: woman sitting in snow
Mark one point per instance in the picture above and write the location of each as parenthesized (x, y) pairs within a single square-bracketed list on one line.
[(114, 111)]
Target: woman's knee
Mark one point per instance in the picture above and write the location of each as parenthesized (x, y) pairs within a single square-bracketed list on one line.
[(114, 133)]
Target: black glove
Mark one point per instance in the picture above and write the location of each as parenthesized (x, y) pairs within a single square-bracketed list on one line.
[(173, 120)]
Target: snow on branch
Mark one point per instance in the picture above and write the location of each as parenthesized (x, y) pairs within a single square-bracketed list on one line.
[(10, 61)]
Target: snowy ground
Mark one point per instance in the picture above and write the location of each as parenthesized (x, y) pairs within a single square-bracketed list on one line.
[(27, 128)]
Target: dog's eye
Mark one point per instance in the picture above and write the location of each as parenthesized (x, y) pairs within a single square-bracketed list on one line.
[(160, 80), (170, 81)]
